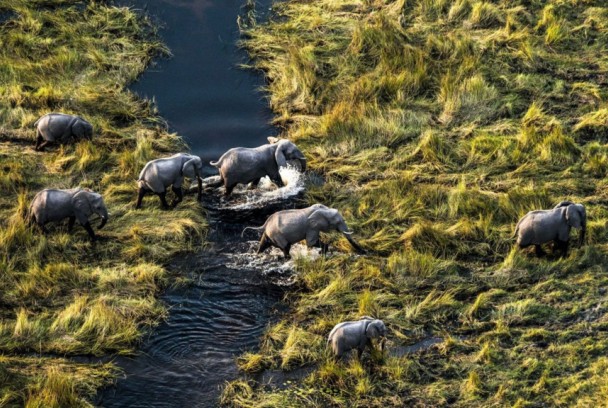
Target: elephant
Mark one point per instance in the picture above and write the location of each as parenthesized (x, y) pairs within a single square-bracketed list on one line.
[(75, 204), (542, 226), (60, 128), (285, 228), (357, 334), (248, 165), (159, 174)]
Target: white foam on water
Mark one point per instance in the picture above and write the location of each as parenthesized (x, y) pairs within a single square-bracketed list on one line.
[(243, 198), (271, 262)]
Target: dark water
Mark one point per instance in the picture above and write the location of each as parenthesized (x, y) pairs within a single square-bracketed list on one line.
[(201, 91), (188, 358), (233, 294)]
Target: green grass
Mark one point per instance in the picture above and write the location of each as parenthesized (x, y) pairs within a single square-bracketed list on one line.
[(59, 294), (437, 124)]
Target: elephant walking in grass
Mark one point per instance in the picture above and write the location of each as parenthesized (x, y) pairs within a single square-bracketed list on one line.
[(61, 128), (242, 165), (159, 174), (75, 204), (357, 334), (285, 228), (542, 226)]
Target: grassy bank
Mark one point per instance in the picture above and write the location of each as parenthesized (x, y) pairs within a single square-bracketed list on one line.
[(59, 295), (437, 124)]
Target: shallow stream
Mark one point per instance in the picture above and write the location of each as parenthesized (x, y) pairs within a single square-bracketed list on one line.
[(233, 293)]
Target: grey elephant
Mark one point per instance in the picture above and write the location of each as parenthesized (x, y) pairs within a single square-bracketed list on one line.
[(285, 228), (543, 226), (61, 128), (242, 165), (357, 334), (53, 205), (157, 175)]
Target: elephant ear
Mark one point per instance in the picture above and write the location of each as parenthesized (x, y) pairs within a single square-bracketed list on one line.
[(82, 205), (373, 329), (186, 171), (279, 154), (320, 219), (574, 216)]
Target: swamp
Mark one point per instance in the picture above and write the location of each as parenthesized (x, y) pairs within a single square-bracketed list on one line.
[(432, 125)]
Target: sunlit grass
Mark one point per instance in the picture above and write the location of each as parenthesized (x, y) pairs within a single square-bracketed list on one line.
[(59, 293), (437, 125)]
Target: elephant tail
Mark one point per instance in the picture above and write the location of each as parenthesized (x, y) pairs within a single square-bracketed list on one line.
[(28, 215), (516, 230), (253, 228)]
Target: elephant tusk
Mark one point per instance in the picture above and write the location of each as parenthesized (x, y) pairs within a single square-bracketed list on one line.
[(347, 232)]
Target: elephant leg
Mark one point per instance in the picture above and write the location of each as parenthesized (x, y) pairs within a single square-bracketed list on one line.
[(179, 196), (39, 140), (286, 251), (538, 250), (264, 244), (228, 189), (140, 196), (324, 247), (71, 222), (562, 246), (163, 200), (360, 353), (278, 181), (43, 145), (87, 227), (199, 197), (254, 184)]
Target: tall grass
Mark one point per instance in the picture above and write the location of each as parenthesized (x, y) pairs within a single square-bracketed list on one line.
[(60, 294), (437, 125)]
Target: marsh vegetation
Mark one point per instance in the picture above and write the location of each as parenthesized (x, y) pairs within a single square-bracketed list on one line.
[(59, 294), (436, 125)]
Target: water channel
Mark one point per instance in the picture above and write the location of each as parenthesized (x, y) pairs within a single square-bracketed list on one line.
[(233, 294)]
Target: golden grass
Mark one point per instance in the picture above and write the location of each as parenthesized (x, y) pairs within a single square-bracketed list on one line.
[(436, 125), (59, 293)]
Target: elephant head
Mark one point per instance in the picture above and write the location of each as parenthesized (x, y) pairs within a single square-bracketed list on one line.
[(82, 129), (375, 328), (286, 151), (330, 219), (86, 203), (193, 167), (576, 217)]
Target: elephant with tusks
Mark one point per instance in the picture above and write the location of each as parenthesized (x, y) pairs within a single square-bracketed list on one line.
[(242, 165), (157, 175), (285, 228), (357, 334), (52, 205), (543, 226), (61, 128)]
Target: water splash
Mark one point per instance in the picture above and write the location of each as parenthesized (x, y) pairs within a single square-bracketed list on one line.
[(271, 263), (244, 198)]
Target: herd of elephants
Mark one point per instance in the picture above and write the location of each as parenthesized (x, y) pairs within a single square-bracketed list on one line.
[(282, 229)]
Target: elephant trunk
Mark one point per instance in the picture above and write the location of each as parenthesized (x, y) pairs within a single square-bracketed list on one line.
[(382, 343), (303, 164), (581, 235), (354, 243), (104, 218)]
